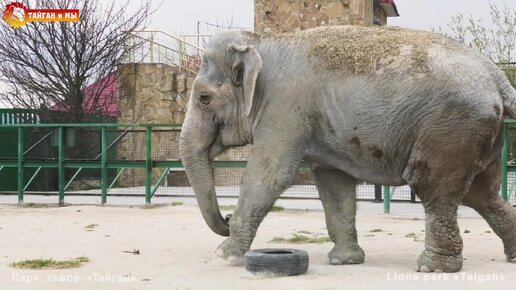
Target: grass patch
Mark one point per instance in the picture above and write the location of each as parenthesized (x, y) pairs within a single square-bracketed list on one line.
[(376, 231), (301, 239), (90, 227), (305, 232), (46, 264), (411, 235), (369, 235), (153, 205), (177, 203), (36, 205), (277, 208), (227, 207), (467, 231)]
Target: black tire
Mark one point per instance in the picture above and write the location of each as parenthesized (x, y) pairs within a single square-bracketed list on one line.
[(288, 262)]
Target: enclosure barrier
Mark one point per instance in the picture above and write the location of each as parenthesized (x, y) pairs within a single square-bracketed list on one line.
[(508, 161), (114, 157), (157, 46), (102, 163)]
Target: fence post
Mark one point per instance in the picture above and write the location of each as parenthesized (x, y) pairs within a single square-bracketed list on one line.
[(148, 164), (152, 47), (386, 199), (21, 173), (377, 193), (505, 156), (103, 164), (60, 169)]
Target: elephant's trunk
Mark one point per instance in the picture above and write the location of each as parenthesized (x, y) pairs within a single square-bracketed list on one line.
[(194, 143)]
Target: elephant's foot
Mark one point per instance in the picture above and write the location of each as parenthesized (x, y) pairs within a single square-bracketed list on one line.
[(346, 255), (510, 255), (510, 249), (231, 251), (432, 262)]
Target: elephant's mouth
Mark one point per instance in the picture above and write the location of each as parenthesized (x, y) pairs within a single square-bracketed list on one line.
[(216, 147)]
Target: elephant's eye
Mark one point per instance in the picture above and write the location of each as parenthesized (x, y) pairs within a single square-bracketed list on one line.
[(205, 99)]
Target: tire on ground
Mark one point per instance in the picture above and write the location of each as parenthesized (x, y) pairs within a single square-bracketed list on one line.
[(279, 261)]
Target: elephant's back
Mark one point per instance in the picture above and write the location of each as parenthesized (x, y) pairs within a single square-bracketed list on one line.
[(364, 50)]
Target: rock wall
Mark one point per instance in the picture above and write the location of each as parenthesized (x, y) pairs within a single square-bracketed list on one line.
[(150, 93), (278, 16)]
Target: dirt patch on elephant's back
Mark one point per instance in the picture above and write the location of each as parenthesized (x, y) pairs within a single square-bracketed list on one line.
[(364, 49)]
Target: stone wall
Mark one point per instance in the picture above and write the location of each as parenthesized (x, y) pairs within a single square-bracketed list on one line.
[(278, 16), (150, 93)]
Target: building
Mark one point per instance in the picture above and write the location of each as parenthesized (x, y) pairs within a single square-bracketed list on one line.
[(278, 16)]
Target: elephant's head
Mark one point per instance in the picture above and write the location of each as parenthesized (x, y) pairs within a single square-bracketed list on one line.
[(218, 116)]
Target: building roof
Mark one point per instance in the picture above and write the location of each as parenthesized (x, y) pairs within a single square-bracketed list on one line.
[(390, 8), (103, 101)]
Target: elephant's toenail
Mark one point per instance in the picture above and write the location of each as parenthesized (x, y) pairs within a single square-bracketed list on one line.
[(220, 253), (424, 269), (350, 261), (438, 271), (334, 261), (235, 261)]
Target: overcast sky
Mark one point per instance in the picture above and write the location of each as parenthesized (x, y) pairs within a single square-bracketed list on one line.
[(182, 15)]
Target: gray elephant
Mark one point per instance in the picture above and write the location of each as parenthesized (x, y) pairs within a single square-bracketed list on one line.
[(385, 105)]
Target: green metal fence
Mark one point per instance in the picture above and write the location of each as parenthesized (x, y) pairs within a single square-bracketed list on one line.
[(18, 116), (100, 163), (508, 158), (143, 159)]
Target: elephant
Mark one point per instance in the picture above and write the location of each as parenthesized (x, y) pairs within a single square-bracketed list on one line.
[(384, 105)]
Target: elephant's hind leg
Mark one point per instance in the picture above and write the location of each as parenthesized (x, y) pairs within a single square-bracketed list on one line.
[(499, 214), (337, 192), (441, 176)]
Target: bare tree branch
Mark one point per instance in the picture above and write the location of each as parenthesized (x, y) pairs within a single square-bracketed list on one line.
[(498, 43), (50, 64)]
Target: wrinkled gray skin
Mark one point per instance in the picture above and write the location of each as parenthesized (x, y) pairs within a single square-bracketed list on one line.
[(437, 131)]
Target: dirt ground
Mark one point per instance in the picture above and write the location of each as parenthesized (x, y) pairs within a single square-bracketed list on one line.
[(177, 251)]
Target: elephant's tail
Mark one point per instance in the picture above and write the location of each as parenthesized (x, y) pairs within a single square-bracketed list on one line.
[(508, 94)]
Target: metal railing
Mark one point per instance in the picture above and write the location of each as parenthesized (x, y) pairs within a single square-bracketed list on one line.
[(18, 116), (102, 163), (510, 71), (161, 47), (508, 164), (148, 160)]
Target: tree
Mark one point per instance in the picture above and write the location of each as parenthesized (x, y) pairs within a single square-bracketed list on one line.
[(498, 42), (48, 65)]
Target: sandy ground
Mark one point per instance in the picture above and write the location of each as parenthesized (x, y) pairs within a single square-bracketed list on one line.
[(177, 250)]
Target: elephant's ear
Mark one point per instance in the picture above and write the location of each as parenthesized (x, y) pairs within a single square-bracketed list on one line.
[(246, 67)]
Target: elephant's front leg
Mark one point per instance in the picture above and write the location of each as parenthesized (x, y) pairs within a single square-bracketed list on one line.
[(264, 181), (337, 192)]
